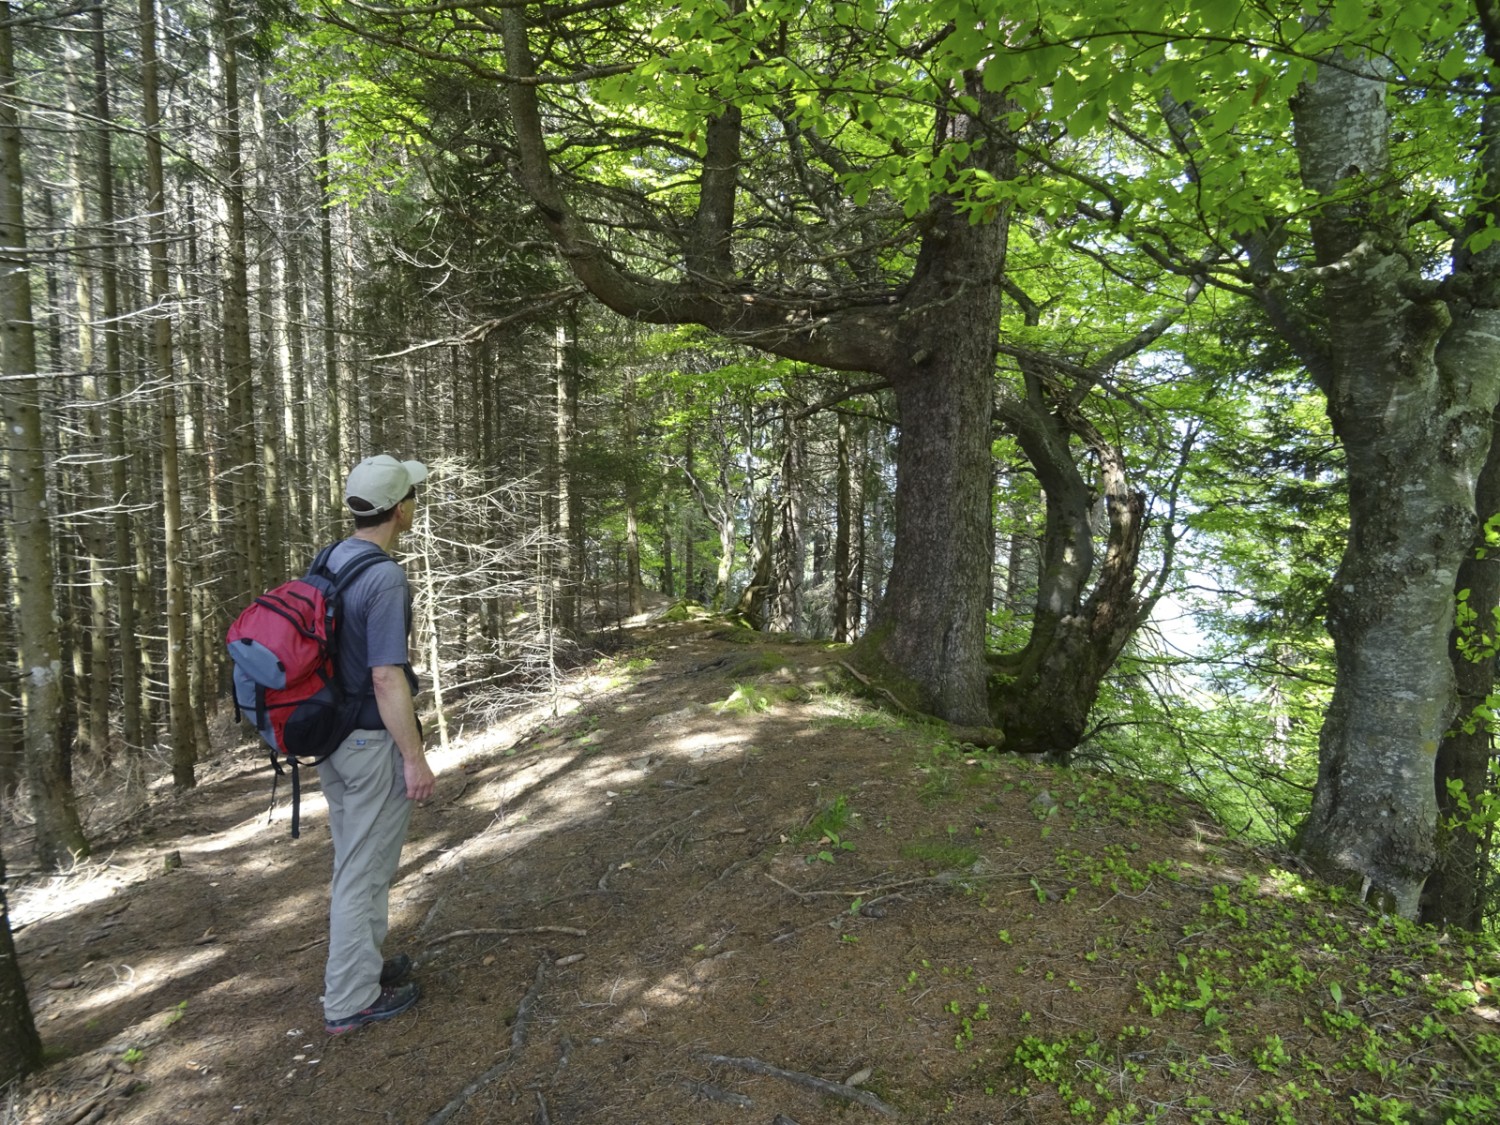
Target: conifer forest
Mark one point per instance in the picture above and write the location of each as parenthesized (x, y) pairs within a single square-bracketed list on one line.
[(1114, 386)]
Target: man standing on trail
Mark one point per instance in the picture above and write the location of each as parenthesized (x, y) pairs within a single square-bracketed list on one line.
[(376, 773)]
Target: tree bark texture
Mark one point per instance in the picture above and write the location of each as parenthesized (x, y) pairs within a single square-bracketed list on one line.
[(59, 832), (247, 568), (184, 746), (20, 1046), (122, 574), (1415, 432), (1086, 609), (1456, 891), (1454, 894)]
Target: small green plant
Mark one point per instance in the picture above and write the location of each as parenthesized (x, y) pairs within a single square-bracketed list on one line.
[(1271, 1055), (944, 856), (176, 1014), (745, 699), (827, 827), (132, 1056)]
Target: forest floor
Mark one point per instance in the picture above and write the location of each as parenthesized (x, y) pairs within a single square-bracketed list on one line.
[(718, 886)]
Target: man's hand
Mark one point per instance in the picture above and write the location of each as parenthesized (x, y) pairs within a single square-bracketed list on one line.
[(420, 781)]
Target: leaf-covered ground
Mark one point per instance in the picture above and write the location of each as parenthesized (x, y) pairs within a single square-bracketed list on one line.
[(718, 887)]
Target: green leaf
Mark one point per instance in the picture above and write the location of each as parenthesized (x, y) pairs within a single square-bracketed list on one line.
[(1453, 64), (1348, 15)]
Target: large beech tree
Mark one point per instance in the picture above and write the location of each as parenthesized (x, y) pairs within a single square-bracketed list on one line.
[(836, 184), (1327, 156)]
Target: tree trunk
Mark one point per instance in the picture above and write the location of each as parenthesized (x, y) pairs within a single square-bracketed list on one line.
[(332, 383), (1415, 442), (93, 643), (754, 597), (848, 520), (791, 518), (20, 1046), (568, 575), (123, 573), (247, 568), (59, 833), (1086, 608), (1454, 894), (184, 746), (635, 592)]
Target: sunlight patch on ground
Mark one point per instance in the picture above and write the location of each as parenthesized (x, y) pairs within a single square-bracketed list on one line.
[(152, 972), (243, 833), (706, 742), (85, 885)]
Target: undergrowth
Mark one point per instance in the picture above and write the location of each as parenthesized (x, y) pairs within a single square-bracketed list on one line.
[(1257, 996)]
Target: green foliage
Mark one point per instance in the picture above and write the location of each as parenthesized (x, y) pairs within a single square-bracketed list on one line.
[(745, 699), (827, 827), (941, 855)]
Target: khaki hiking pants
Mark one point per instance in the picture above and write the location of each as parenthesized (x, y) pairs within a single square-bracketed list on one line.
[(368, 811)]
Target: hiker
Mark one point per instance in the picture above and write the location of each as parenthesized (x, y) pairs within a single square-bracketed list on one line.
[(376, 773)]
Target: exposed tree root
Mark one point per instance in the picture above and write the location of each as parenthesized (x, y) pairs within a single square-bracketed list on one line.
[(571, 931), (518, 1033), (713, 1093), (820, 1085)]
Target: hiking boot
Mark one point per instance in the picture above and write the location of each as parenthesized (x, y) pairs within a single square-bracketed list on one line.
[(391, 1002), (395, 970)]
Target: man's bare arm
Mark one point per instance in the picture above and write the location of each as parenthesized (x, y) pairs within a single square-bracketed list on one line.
[(398, 713)]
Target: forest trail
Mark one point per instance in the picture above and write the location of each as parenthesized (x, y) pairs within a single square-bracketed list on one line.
[(719, 888)]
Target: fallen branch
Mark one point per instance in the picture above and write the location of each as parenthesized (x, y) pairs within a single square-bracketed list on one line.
[(820, 1085), (803, 895), (716, 1094), (519, 1029), (871, 685), (640, 845), (469, 1091), (431, 915), (517, 1042), (569, 930)]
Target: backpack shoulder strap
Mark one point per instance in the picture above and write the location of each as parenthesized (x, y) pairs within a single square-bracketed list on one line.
[(357, 566), (320, 566)]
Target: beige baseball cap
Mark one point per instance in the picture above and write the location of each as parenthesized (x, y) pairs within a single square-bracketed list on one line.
[(382, 482)]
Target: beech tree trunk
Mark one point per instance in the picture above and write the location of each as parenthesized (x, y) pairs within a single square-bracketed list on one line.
[(1415, 438), (1456, 892)]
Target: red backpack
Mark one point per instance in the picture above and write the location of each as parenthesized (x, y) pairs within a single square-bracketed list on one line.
[(285, 647)]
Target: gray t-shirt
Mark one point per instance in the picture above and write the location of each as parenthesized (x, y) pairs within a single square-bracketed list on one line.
[(374, 626)]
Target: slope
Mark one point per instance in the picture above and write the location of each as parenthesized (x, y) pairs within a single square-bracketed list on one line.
[(716, 886)]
